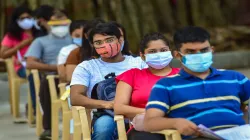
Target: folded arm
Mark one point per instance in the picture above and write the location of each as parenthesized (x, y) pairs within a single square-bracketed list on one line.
[(34, 63), (122, 101), (78, 98)]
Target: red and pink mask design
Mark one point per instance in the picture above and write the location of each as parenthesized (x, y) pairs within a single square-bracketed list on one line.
[(108, 50)]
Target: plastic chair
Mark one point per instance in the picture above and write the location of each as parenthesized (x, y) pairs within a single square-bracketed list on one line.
[(169, 134), (55, 106), (39, 112), (67, 114), (14, 85), (82, 123), (30, 108)]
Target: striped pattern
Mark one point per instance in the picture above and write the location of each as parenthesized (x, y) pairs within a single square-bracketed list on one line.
[(214, 102)]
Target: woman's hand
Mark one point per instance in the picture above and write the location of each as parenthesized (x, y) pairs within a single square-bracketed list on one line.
[(138, 122)]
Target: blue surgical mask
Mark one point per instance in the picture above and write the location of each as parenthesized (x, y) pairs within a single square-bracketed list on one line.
[(198, 62), (122, 45), (159, 60), (26, 23), (77, 41)]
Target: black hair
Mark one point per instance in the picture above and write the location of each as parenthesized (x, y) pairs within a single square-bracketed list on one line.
[(44, 11), (14, 30), (152, 37), (91, 24), (76, 24), (125, 50), (105, 29), (190, 34), (87, 51)]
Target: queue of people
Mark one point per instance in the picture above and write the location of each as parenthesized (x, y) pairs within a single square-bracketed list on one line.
[(150, 93)]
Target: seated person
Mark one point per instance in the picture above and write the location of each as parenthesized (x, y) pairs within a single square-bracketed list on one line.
[(20, 34), (76, 31), (42, 55), (106, 40), (42, 15), (80, 54), (134, 86), (199, 94)]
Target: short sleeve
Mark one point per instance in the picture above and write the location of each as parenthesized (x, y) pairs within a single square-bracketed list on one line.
[(81, 75), (245, 89), (74, 57), (159, 97), (61, 59), (127, 77), (35, 49), (7, 41)]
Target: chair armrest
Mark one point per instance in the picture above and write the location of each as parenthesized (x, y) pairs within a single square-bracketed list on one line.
[(120, 127), (62, 85), (52, 76), (170, 134)]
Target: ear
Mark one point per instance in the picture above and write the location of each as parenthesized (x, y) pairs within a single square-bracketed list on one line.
[(212, 47), (177, 55), (120, 40), (142, 56)]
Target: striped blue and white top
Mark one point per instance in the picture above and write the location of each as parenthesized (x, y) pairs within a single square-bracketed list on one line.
[(214, 102)]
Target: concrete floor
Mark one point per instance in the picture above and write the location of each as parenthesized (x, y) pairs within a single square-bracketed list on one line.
[(11, 131)]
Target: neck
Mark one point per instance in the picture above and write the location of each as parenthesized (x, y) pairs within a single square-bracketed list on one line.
[(161, 72), (28, 31), (118, 58), (201, 75)]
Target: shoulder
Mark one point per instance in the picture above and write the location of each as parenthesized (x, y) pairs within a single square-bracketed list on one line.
[(135, 61), (87, 64), (131, 71), (175, 71), (67, 49), (231, 74)]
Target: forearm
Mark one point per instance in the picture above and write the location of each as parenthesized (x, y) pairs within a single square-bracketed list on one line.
[(159, 123), (8, 53), (128, 111), (41, 66), (81, 100), (61, 72)]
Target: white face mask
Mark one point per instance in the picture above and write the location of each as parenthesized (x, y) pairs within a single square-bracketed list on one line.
[(26, 23), (60, 31)]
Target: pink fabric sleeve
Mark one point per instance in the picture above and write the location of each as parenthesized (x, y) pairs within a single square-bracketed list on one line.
[(7, 41), (127, 77)]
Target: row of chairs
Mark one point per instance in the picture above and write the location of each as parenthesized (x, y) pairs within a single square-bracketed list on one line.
[(80, 115)]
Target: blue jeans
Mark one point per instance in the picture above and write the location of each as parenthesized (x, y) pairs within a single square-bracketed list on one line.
[(22, 73), (105, 128)]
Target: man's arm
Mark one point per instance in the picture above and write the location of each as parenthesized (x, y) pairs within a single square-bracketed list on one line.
[(78, 98), (155, 120), (34, 63), (157, 108)]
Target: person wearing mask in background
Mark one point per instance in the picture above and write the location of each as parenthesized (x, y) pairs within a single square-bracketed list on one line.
[(42, 55), (76, 31), (199, 94), (83, 53), (42, 15), (134, 86), (106, 40), (20, 34)]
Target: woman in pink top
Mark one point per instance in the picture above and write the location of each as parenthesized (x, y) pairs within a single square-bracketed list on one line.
[(134, 86), (18, 38)]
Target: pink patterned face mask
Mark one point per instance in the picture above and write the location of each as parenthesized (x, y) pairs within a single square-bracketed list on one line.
[(108, 50)]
